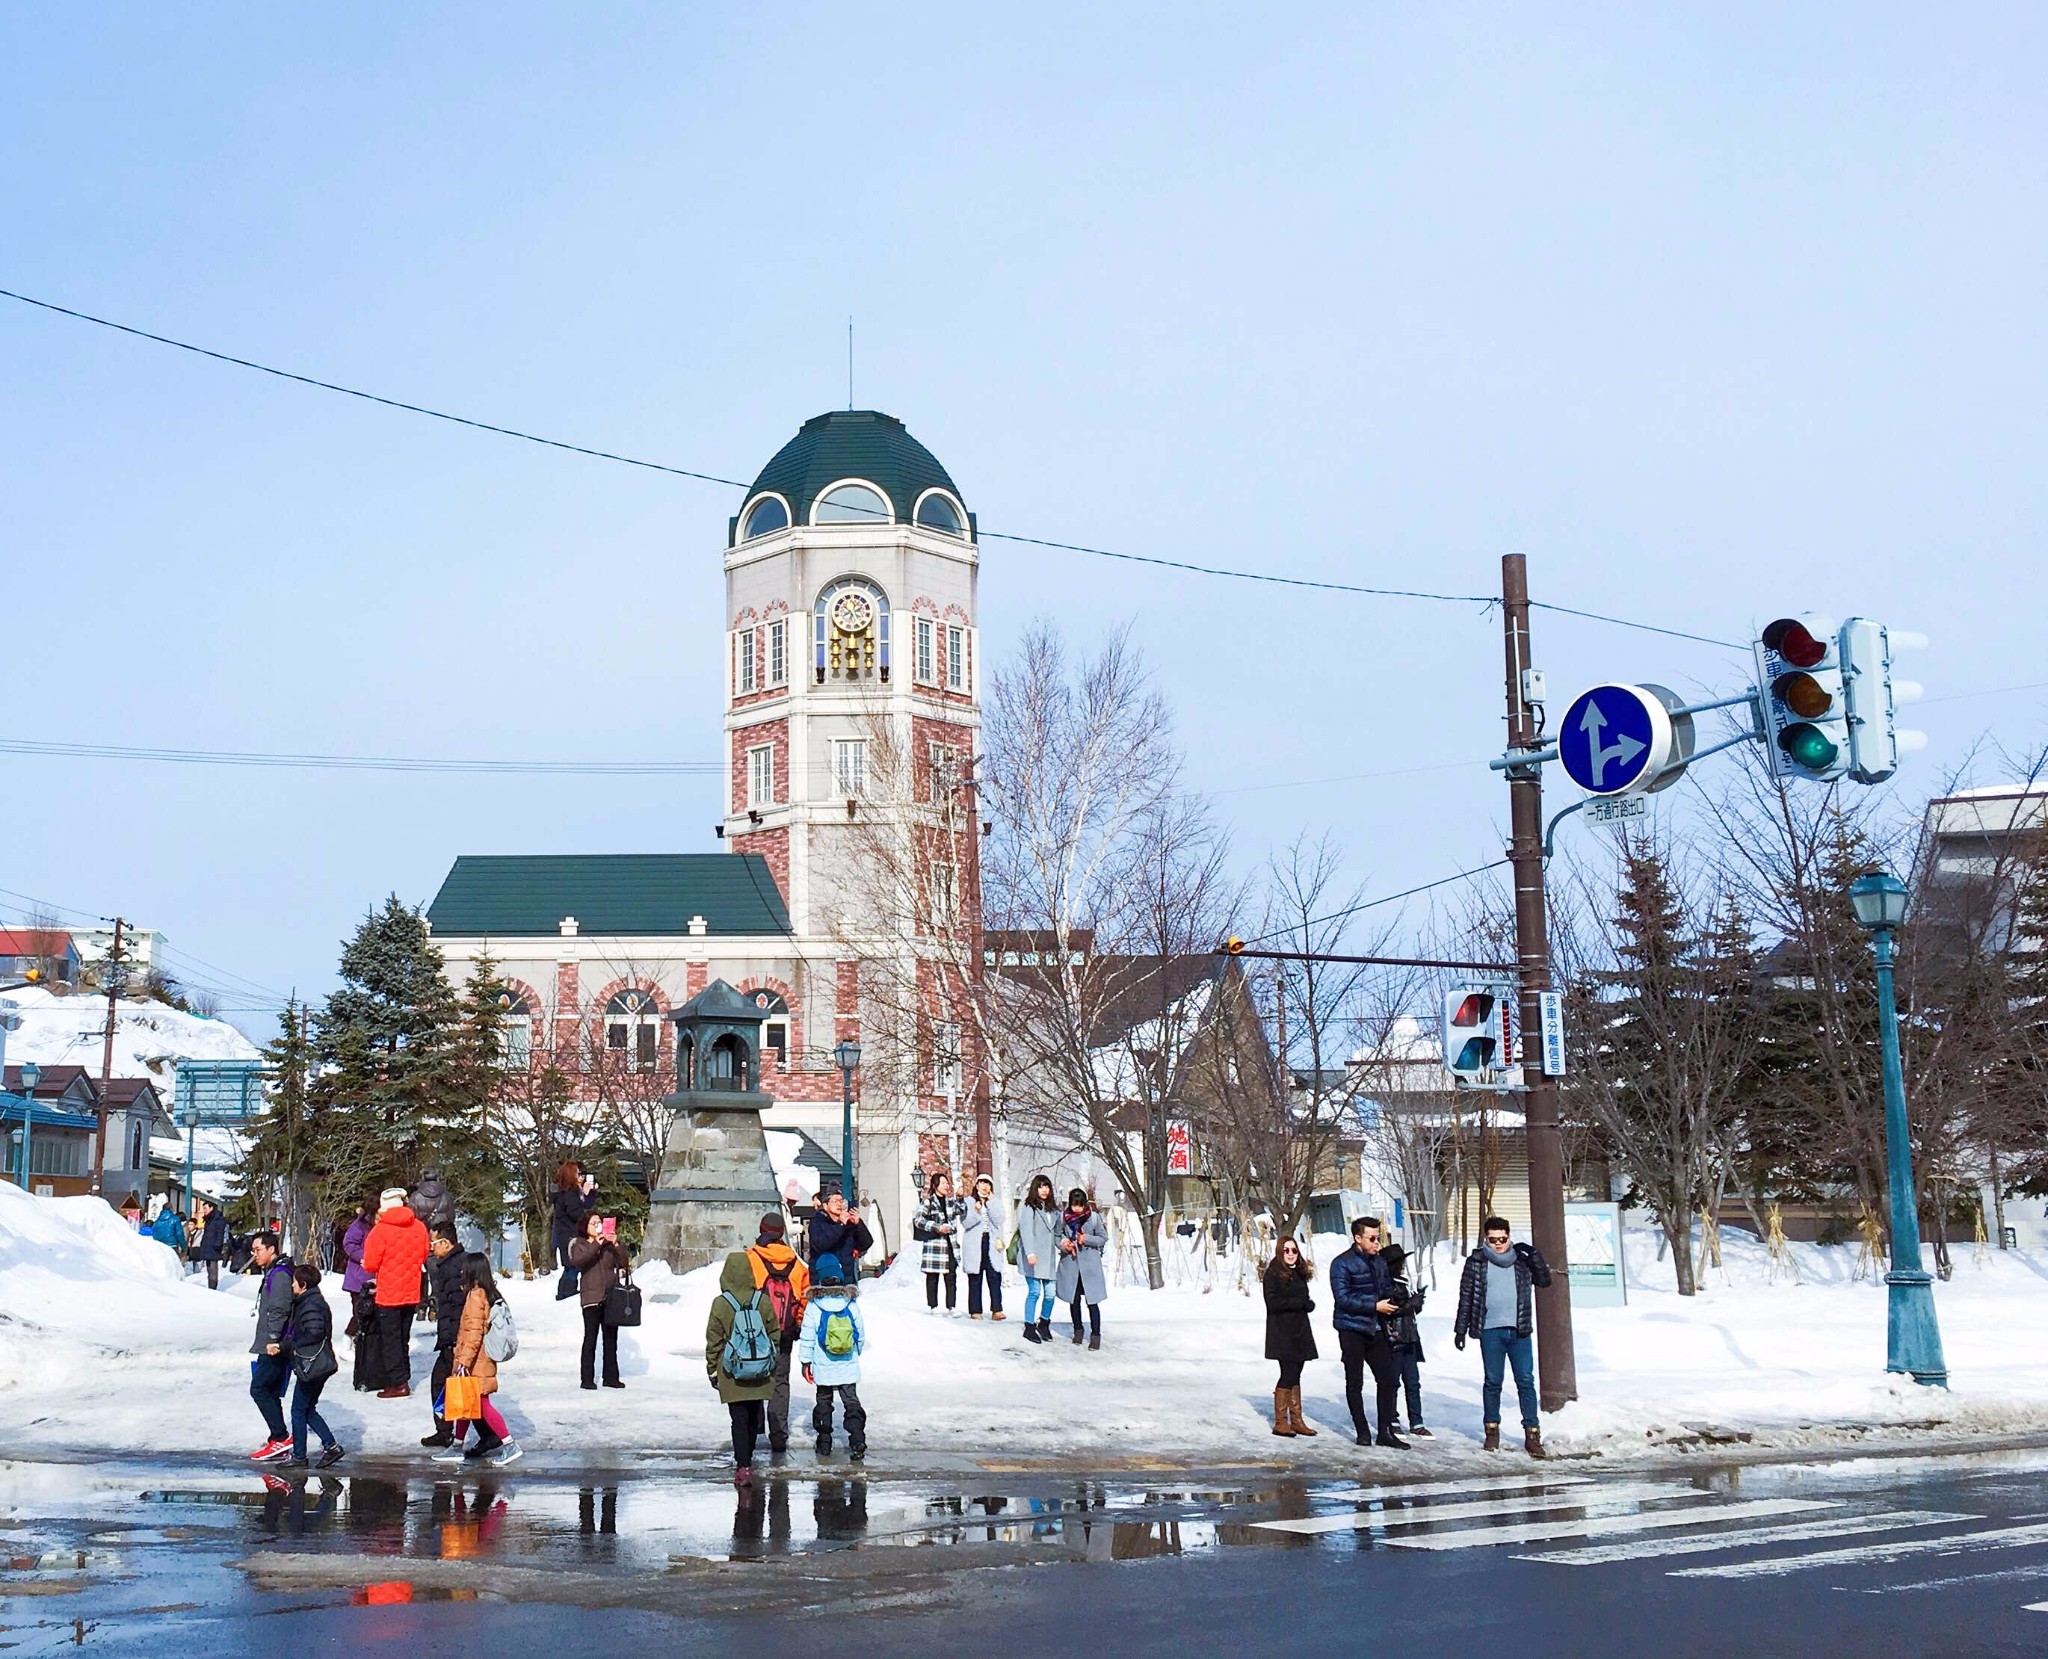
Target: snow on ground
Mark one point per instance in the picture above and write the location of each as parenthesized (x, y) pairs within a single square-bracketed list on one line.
[(104, 1348), (150, 1038)]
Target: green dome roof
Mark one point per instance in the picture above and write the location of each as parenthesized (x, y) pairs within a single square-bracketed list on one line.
[(853, 443)]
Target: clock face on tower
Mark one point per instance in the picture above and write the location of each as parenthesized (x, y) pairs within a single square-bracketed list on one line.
[(852, 613)]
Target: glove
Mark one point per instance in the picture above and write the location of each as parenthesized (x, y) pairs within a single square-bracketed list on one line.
[(1459, 1340), (813, 1381)]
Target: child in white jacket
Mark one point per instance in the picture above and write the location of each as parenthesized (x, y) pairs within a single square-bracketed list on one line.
[(834, 1334)]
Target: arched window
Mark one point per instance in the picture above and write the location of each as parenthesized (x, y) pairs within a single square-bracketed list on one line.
[(853, 504), (775, 1031), (767, 515), (632, 1030), (515, 1033), (850, 632), (725, 1065), (937, 512)]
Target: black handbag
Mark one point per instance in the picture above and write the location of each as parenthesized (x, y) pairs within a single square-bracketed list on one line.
[(622, 1302), (317, 1366)]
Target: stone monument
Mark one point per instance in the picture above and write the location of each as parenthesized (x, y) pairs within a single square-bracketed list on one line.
[(715, 1182)]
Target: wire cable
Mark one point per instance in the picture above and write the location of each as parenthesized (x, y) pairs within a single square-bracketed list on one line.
[(1374, 904), (741, 484), (361, 763)]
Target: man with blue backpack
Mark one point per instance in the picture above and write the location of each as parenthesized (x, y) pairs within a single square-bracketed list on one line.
[(829, 1349), (741, 1340)]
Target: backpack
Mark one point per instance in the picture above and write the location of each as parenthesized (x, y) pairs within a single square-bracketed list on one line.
[(782, 1293), (501, 1336), (748, 1356), (838, 1335)]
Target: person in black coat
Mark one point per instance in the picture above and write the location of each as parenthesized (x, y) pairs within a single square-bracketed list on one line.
[(444, 1274), (1289, 1337), (1404, 1337), (837, 1230), (309, 1348), (213, 1241), (575, 1198)]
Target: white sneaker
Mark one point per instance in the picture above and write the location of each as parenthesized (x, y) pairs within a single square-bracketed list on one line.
[(454, 1454), (507, 1453)]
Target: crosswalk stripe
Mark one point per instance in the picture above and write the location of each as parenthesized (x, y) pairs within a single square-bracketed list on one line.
[(1959, 1543), (1608, 1525), (1451, 1488), (1585, 1497), (1834, 1526), (2035, 1607)]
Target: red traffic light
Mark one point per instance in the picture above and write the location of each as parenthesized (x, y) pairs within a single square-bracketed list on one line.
[(1476, 1009), (1795, 643)]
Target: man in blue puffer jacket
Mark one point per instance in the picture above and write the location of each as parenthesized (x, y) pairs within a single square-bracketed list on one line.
[(1362, 1287)]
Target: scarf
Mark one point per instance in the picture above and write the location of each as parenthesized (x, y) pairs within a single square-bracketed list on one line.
[(1072, 1221)]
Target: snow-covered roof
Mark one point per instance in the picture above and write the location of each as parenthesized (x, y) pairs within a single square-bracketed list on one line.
[(150, 1038)]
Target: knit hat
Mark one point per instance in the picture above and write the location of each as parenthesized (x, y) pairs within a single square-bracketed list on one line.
[(827, 1271), (391, 1198), (772, 1228)]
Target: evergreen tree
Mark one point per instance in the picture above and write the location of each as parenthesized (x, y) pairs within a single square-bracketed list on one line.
[(285, 1169)]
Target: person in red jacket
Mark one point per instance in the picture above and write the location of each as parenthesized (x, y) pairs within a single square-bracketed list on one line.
[(393, 1255)]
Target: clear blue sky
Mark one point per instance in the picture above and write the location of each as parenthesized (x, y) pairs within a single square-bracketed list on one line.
[(1711, 310)]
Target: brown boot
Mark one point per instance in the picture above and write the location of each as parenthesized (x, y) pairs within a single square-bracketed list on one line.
[(1294, 1415), (1282, 1424), (1492, 1441), (1532, 1442)]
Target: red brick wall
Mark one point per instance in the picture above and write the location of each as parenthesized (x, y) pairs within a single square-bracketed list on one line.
[(752, 737), (772, 845)]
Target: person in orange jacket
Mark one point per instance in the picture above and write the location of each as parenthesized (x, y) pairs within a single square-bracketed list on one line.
[(394, 1255), (780, 1271)]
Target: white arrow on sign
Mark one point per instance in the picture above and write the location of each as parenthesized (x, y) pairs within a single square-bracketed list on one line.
[(1623, 749)]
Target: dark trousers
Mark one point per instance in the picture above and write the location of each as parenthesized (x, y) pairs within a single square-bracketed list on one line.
[(444, 1368), (987, 1271), (1290, 1372), (851, 1409), (571, 1280), (1094, 1317), (931, 1288), (306, 1415), (593, 1327), (394, 1346), (1408, 1361), (1363, 1349), (369, 1370), (749, 1419), (213, 1274), (778, 1402), (267, 1377)]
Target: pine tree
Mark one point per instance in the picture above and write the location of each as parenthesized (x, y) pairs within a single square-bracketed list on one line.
[(285, 1168)]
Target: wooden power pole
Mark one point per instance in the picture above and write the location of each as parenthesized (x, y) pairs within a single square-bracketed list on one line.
[(115, 957), (1557, 1367)]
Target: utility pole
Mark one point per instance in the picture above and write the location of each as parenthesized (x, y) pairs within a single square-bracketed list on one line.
[(1557, 1368), (115, 957)]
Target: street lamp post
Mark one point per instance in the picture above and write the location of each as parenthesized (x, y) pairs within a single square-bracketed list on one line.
[(1913, 1337), (847, 1056), (31, 1075)]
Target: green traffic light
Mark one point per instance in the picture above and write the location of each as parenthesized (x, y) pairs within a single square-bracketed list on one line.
[(1809, 747)]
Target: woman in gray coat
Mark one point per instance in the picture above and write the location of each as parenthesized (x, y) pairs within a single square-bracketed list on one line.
[(1083, 1238), (1038, 1254), (981, 1248)]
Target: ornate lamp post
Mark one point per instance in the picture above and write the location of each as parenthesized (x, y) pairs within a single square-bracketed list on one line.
[(847, 1056), (31, 1076), (1914, 1339)]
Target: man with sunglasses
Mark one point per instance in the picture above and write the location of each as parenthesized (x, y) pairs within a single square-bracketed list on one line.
[(1362, 1287), (1496, 1303)]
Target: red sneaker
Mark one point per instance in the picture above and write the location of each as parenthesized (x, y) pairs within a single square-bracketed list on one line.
[(270, 1451)]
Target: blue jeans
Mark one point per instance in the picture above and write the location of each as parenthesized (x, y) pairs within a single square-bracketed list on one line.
[(1408, 1360), (1039, 1300), (268, 1374), (306, 1414), (1499, 1348)]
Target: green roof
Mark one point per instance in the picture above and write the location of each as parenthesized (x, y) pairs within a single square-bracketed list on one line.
[(853, 443), (609, 894)]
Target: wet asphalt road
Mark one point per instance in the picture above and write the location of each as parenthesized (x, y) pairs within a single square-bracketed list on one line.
[(1872, 1556)]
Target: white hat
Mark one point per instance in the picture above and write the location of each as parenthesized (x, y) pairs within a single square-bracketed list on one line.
[(391, 1198)]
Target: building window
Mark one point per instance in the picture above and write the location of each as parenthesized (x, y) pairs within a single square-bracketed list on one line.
[(775, 1031), (850, 766), (946, 1058), (927, 660), (853, 504), (945, 902), (851, 632), (761, 775), (935, 512), (956, 659), (632, 1031), (768, 514), (944, 773), (746, 650), (778, 653), (515, 1035)]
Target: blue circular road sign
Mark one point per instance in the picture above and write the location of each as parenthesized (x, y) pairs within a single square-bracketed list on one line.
[(1615, 738)]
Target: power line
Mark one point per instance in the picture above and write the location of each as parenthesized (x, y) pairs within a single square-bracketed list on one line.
[(361, 763), (1374, 904), (741, 484)]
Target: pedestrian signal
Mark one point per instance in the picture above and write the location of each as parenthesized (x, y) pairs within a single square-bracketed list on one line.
[(1475, 1032)]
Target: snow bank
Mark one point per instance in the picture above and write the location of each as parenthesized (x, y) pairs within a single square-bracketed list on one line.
[(103, 1347), (150, 1038)]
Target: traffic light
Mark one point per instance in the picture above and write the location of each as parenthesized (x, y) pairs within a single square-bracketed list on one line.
[(1475, 1033), (1873, 696), (1799, 685), (1233, 946)]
